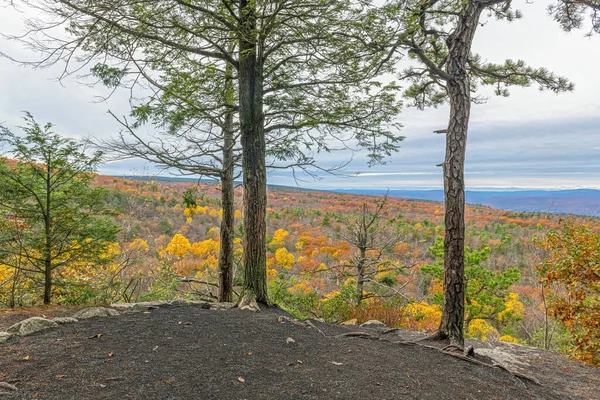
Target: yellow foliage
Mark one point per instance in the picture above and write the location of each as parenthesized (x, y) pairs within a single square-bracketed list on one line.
[(509, 339), (205, 248), (237, 214), (422, 316), (137, 244), (331, 295), (283, 258), (279, 237), (480, 329), (213, 233), (237, 241), (178, 246), (214, 213), (271, 273), (189, 220), (513, 307), (301, 288)]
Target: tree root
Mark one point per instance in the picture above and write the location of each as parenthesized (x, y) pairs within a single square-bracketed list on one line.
[(248, 302), (465, 354)]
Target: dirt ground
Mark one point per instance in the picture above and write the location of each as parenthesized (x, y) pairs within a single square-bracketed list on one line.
[(194, 353)]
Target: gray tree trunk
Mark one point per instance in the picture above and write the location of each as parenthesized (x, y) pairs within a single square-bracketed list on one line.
[(459, 43), (253, 158)]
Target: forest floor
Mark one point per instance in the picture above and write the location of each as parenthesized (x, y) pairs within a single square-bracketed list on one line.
[(194, 353)]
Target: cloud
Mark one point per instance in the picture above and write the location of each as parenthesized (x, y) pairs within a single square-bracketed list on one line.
[(531, 139)]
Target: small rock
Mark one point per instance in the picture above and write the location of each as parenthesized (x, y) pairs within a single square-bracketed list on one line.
[(64, 320), (373, 323), (31, 325), (4, 336), (95, 312), (8, 386), (352, 321)]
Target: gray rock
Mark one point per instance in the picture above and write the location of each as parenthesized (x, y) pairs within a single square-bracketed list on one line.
[(64, 320), (4, 336), (141, 306), (222, 306), (373, 323), (95, 312), (31, 325)]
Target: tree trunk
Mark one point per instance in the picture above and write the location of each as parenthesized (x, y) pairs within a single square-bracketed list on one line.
[(360, 276), (227, 199), (253, 158), (47, 239), (459, 45)]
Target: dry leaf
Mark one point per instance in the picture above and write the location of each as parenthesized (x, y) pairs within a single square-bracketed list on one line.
[(147, 312), (241, 379), (111, 354), (299, 362), (249, 353), (97, 336), (26, 358), (60, 376), (336, 363)]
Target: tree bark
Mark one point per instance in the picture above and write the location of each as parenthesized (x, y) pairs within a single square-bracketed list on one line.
[(48, 239), (227, 198), (360, 276), (253, 157), (459, 45)]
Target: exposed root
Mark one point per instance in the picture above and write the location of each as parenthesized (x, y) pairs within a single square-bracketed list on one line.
[(309, 323), (248, 302), (357, 334)]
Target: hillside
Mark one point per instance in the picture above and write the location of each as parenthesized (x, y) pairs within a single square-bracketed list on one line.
[(166, 250)]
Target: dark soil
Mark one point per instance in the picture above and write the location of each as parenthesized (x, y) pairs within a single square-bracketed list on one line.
[(193, 353)]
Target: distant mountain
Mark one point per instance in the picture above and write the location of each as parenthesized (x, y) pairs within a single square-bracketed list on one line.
[(577, 201)]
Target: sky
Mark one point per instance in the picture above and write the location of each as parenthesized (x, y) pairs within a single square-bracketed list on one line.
[(531, 139)]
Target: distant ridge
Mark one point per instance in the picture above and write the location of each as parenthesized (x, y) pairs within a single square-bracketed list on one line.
[(568, 201), (572, 201)]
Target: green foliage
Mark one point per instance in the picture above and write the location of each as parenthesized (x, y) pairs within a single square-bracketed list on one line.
[(50, 215), (486, 290), (190, 198), (299, 303)]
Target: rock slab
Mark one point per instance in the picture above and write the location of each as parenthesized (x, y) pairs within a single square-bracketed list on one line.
[(31, 325), (4, 336), (93, 312), (64, 320), (373, 323)]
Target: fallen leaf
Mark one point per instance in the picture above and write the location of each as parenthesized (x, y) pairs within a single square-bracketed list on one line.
[(60, 376), (111, 354), (336, 363), (155, 348), (241, 379), (249, 353), (147, 312), (26, 358), (299, 362), (97, 336), (102, 385), (290, 340)]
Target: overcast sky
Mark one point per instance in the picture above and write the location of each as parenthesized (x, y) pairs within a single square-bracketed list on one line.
[(531, 139)]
